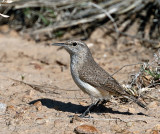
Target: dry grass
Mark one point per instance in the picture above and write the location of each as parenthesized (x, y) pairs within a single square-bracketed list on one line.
[(146, 79), (53, 19)]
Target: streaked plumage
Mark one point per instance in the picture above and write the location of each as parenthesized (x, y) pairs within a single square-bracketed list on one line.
[(90, 77)]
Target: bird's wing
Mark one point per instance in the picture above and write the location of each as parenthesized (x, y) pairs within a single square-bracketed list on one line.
[(100, 79)]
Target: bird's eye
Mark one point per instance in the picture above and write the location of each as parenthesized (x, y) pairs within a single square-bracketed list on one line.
[(74, 43)]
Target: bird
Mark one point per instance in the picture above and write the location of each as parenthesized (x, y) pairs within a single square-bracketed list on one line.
[(90, 77)]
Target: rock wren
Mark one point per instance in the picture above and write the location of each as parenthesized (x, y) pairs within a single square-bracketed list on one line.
[(90, 77)]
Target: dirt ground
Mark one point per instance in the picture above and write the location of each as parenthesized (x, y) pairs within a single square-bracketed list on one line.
[(48, 104)]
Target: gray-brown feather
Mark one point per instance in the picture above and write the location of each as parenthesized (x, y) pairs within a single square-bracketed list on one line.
[(96, 76)]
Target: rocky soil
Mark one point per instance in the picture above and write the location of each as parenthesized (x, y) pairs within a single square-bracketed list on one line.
[(38, 95)]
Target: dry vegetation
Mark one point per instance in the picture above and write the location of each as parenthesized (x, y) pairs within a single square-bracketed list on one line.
[(146, 79), (49, 19)]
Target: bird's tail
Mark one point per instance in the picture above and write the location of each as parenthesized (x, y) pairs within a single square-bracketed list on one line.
[(137, 101)]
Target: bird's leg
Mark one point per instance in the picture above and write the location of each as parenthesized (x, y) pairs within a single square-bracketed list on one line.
[(90, 108), (103, 102)]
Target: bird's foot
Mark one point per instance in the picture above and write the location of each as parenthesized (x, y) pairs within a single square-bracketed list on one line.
[(91, 107), (103, 102)]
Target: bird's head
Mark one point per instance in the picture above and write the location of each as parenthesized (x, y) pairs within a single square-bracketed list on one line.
[(74, 47)]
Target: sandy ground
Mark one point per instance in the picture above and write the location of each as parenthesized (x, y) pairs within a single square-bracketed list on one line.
[(48, 109)]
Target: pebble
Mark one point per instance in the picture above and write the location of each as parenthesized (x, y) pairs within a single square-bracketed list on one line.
[(26, 98), (57, 123), (86, 129), (40, 121), (2, 108), (83, 103), (10, 108), (157, 127), (4, 29), (148, 131), (155, 132), (38, 105), (131, 110), (136, 132), (30, 93), (129, 124), (117, 128), (75, 118)]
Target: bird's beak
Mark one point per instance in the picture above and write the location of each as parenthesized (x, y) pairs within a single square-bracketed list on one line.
[(59, 44)]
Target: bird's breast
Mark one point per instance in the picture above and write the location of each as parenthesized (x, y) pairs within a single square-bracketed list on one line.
[(84, 86)]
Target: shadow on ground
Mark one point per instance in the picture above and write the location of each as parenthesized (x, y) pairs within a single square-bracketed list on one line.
[(75, 108), (60, 106)]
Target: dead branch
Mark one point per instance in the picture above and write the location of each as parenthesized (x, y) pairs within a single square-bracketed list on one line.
[(48, 17), (67, 24), (126, 66), (132, 36), (36, 87)]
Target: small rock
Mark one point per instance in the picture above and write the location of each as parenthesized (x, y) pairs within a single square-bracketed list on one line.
[(37, 66), (157, 127), (2, 108), (30, 93), (38, 105), (86, 129), (4, 29), (75, 118), (125, 131), (136, 132), (155, 132), (148, 131), (26, 98), (129, 124), (120, 130), (40, 121), (57, 123), (83, 103), (10, 108), (123, 108), (131, 110), (117, 128), (153, 104)]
